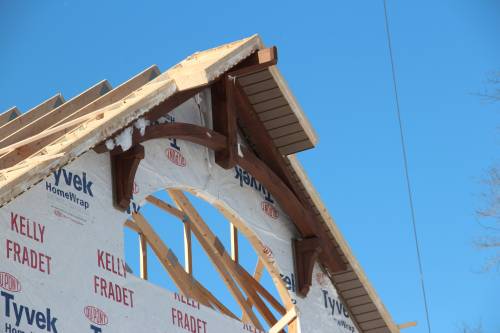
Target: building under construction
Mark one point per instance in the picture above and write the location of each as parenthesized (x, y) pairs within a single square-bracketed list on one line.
[(221, 125)]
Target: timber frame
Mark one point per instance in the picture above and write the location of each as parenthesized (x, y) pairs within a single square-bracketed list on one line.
[(232, 112), (266, 114), (238, 281)]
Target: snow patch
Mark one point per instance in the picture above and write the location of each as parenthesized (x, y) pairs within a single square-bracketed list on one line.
[(141, 125), (124, 139), (110, 144)]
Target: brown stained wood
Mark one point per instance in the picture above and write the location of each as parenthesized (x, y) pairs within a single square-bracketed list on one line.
[(31, 115), (254, 78), (290, 139), (189, 132), (224, 120), (295, 147), (143, 256), (264, 95), (306, 252), (271, 104), (303, 219), (274, 113), (123, 168), (259, 86), (261, 59), (284, 130), (372, 324), (186, 284), (374, 315), (281, 122)]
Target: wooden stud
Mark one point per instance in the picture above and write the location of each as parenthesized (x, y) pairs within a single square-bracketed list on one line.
[(406, 325), (221, 259), (182, 280), (143, 256), (165, 206), (188, 256), (285, 320), (234, 243)]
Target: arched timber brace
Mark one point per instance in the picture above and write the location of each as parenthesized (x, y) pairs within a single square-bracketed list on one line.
[(123, 168), (300, 216), (232, 110)]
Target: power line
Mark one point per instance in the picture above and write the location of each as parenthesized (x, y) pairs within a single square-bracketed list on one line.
[(405, 163)]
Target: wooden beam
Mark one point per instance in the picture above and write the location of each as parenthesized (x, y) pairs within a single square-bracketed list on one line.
[(193, 133), (215, 302), (182, 280), (258, 61), (131, 225), (259, 269), (221, 258), (30, 115), (407, 325), (124, 166), (285, 320), (56, 114), (307, 224), (143, 256), (234, 243), (224, 120), (165, 206), (188, 255)]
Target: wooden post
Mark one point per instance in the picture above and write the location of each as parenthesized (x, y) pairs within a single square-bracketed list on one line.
[(234, 243), (188, 260), (143, 256)]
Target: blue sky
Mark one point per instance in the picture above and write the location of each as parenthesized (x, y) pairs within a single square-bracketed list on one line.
[(335, 58)]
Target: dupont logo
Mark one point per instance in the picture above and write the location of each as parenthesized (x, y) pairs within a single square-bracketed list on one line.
[(322, 279), (9, 282), (95, 315), (269, 209), (175, 157)]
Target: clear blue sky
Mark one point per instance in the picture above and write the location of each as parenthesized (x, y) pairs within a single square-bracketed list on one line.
[(334, 55)]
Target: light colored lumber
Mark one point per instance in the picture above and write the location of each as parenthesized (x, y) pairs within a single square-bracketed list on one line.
[(165, 206), (188, 255), (9, 115), (234, 242), (259, 269), (221, 260), (181, 279), (131, 225), (408, 324), (31, 115), (215, 302), (57, 114), (143, 256), (285, 320)]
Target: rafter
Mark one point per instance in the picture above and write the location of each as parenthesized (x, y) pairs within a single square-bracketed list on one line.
[(215, 251), (214, 248)]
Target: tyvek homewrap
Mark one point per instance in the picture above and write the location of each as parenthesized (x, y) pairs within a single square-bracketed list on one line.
[(62, 245)]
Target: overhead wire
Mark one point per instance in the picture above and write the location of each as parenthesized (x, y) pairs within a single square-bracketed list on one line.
[(405, 164)]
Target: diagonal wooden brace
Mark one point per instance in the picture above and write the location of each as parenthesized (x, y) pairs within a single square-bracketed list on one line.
[(123, 168), (306, 252)]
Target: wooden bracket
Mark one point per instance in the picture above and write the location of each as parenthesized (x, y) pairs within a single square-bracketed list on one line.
[(123, 168), (224, 116), (306, 253)]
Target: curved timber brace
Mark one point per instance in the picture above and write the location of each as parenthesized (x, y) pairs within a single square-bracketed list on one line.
[(231, 109)]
